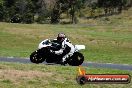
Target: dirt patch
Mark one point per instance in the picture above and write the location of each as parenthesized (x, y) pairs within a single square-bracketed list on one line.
[(17, 75)]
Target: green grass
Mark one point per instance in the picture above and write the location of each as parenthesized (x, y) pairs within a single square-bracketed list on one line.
[(16, 75), (106, 44)]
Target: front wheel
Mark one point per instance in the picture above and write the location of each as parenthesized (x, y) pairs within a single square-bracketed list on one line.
[(77, 59), (36, 57)]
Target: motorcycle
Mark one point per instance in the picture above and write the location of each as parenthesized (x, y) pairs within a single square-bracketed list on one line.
[(44, 54)]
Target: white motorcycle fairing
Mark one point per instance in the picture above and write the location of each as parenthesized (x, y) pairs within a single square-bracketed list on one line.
[(43, 43), (79, 47)]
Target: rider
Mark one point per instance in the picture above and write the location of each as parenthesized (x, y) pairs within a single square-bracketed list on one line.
[(67, 49)]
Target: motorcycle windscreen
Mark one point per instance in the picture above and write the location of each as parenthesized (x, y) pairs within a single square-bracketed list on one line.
[(44, 43)]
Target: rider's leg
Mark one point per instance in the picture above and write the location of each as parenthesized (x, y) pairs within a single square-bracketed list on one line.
[(68, 54)]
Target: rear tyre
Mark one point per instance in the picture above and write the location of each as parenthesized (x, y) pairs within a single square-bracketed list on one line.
[(36, 57), (77, 59)]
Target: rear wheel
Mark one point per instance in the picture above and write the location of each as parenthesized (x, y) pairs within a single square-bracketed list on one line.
[(36, 57), (77, 59)]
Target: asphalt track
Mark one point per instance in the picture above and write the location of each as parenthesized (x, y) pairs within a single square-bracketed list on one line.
[(87, 64)]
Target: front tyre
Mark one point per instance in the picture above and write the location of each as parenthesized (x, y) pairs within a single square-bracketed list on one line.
[(36, 57), (77, 59)]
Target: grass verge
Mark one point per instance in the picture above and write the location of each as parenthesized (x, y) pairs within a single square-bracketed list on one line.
[(105, 44), (16, 75)]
